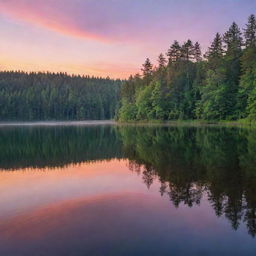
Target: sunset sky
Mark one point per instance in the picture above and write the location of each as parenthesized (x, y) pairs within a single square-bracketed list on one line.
[(106, 37)]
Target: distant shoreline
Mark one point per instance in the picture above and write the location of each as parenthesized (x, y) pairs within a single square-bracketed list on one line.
[(58, 123), (193, 123), (180, 123)]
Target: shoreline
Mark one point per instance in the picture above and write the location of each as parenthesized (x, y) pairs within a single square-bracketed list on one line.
[(179, 123), (57, 123), (193, 123)]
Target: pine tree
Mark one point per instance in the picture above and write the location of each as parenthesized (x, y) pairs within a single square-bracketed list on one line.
[(233, 41), (161, 61), (174, 53), (215, 51), (197, 54), (220, 87), (49, 96), (147, 68), (250, 32), (214, 102), (251, 107), (233, 46), (248, 78), (157, 101), (187, 50)]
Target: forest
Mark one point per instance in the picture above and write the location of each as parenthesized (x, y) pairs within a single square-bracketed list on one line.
[(56, 96), (187, 85)]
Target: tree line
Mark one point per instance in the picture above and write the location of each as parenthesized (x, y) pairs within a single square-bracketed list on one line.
[(219, 85), (56, 96)]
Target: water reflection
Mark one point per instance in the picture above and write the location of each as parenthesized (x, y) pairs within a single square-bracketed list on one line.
[(202, 169), (190, 161), (23, 147)]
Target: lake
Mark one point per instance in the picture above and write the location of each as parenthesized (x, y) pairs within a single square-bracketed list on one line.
[(106, 189)]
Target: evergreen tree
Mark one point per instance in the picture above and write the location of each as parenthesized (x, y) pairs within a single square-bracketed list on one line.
[(197, 52), (233, 41), (214, 102), (147, 68), (251, 106), (144, 104), (248, 77), (233, 45), (187, 50), (221, 86), (215, 51), (174, 53), (161, 61), (247, 82), (49, 96), (157, 101), (250, 32)]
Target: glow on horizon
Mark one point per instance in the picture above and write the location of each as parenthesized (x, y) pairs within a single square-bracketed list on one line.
[(106, 37)]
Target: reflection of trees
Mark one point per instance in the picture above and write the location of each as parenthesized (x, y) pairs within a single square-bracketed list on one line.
[(56, 146), (188, 162), (189, 195), (191, 161)]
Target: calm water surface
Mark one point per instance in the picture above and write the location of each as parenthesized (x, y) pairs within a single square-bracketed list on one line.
[(127, 190)]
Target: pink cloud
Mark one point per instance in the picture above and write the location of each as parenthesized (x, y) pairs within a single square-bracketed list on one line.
[(56, 15), (104, 20), (127, 31), (144, 20)]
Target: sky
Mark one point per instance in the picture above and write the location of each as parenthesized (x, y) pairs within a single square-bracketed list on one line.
[(107, 37)]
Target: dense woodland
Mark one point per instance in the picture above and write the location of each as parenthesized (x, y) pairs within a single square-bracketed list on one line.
[(48, 96), (186, 85), (220, 85)]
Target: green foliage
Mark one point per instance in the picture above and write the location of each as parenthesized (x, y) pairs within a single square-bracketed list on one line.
[(213, 94), (251, 107), (46, 96), (247, 81), (219, 87), (157, 101), (144, 104), (127, 112), (250, 32)]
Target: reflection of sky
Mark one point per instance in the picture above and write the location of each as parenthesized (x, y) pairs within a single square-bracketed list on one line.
[(25, 190), (104, 207), (106, 37)]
